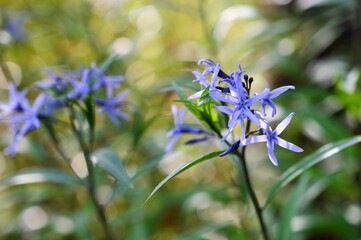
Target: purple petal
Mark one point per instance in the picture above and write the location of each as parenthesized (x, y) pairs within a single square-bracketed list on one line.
[(270, 149), (232, 148), (283, 124), (224, 109), (255, 139), (121, 96), (239, 86), (207, 61), (257, 97), (217, 94), (251, 116), (200, 77), (278, 91), (215, 77), (38, 103), (290, 146), (171, 144), (233, 119), (196, 140)]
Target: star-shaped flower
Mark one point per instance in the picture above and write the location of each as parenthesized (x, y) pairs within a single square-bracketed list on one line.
[(180, 128), (267, 100), (271, 137), (16, 103), (242, 106)]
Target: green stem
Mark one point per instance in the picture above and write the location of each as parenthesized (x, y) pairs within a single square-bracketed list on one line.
[(91, 178), (242, 157)]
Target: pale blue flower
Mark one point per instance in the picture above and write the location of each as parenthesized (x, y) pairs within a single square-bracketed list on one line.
[(111, 106), (101, 80), (271, 137), (81, 88), (14, 24), (24, 122), (267, 100), (17, 101), (180, 128), (242, 106)]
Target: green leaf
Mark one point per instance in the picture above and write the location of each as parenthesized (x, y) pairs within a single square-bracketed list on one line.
[(206, 113), (39, 175), (291, 208), (182, 169), (109, 161), (309, 161), (109, 61)]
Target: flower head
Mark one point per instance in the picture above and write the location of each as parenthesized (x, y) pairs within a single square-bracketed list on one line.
[(180, 128), (267, 100), (26, 121), (271, 137), (111, 105), (17, 101)]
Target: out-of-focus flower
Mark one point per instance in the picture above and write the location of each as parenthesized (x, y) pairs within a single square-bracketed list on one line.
[(180, 128), (14, 25), (17, 101), (81, 88), (25, 121), (111, 106)]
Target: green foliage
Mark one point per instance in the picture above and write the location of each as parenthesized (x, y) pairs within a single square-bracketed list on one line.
[(39, 175), (110, 162), (182, 169), (309, 161), (204, 112), (313, 45)]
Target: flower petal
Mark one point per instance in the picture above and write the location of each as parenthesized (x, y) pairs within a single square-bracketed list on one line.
[(278, 91), (290, 146), (224, 109), (171, 144), (270, 149), (279, 129), (255, 139)]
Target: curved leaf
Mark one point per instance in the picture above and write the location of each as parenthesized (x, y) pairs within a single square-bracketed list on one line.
[(182, 169), (39, 175), (109, 161), (309, 161)]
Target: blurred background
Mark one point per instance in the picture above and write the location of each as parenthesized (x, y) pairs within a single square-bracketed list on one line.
[(314, 45)]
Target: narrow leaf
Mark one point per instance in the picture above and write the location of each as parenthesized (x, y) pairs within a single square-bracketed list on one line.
[(109, 61), (39, 175), (309, 161), (182, 169), (109, 161), (291, 208)]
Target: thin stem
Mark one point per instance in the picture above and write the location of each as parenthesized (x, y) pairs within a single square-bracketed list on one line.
[(91, 178), (241, 155)]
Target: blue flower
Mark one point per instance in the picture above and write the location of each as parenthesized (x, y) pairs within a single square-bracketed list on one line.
[(201, 78), (58, 84), (111, 105), (81, 88), (25, 121), (101, 80), (14, 24), (242, 105), (17, 101), (271, 137), (179, 128), (267, 100)]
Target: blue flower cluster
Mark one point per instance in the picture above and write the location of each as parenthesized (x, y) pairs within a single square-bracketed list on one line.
[(59, 91), (232, 93)]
